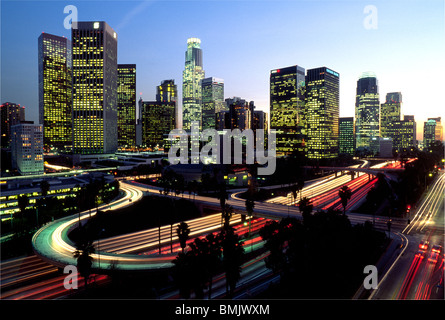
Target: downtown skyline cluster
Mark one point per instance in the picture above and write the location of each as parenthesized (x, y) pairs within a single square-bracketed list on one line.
[(87, 102)]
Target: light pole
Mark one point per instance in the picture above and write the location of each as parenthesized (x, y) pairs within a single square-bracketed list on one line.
[(98, 248)]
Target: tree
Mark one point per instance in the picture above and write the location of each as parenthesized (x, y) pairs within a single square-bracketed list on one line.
[(305, 207), (226, 215), (84, 249), (23, 202), (233, 253), (250, 204), (44, 188), (183, 232), (345, 194)]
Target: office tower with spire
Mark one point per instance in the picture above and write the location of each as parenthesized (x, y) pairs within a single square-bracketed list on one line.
[(94, 88), (126, 105), (322, 113), (55, 90), (287, 109), (367, 111), (191, 84)]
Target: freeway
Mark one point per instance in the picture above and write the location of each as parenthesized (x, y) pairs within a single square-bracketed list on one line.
[(417, 273), (52, 243)]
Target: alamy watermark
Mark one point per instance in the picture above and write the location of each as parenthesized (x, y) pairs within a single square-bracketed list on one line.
[(371, 280), (371, 20), (218, 147)]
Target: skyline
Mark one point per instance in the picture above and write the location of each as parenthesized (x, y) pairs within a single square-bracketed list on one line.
[(405, 51)]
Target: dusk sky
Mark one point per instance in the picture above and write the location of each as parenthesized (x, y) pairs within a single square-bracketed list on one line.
[(243, 40)]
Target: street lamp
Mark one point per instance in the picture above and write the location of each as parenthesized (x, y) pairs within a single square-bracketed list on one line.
[(98, 242)]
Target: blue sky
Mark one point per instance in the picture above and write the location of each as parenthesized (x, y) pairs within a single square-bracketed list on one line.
[(242, 41)]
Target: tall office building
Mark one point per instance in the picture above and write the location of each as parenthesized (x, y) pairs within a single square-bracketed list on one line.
[(167, 91), (260, 120), (404, 136), (390, 113), (94, 88), (322, 113), (191, 86), (27, 148), (55, 90), (366, 111), (11, 114), (126, 104), (159, 117), (287, 109), (432, 131), (346, 136), (212, 100)]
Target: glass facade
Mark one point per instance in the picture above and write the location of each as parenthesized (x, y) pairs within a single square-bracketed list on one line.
[(287, 109), (322, 113), (346, 133), (11, 114), (167, 91), (94, 88), (27, 148), (404, 136), (390, 113), (158, 119), (367, 111), (432, 131), (191, 84), (55, 90), (212, 101), (126, 105)]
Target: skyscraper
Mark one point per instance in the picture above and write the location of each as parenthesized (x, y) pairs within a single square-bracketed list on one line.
[(94, 88), (212, 100), (11, 114), (287, 109), (167, 91), (366, 110), (27, 148), (126, 104), (159, 117), (390, 113), (404, 137), (55, 90), (191, 86), (346, 134), (432, 131), (322, 112)]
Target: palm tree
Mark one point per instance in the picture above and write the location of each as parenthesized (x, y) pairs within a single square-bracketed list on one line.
[(44, 188), (213, 258), (23, 202), (183, 232), (345, 194), (250, 204), (233, 252), (84, 249), (305, 207), (223, 197), (226, 215)]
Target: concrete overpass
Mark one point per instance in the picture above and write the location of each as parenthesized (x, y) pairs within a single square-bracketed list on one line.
[(370, 171)]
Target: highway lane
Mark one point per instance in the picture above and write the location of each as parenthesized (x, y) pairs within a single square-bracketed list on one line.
[(412, 275)]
